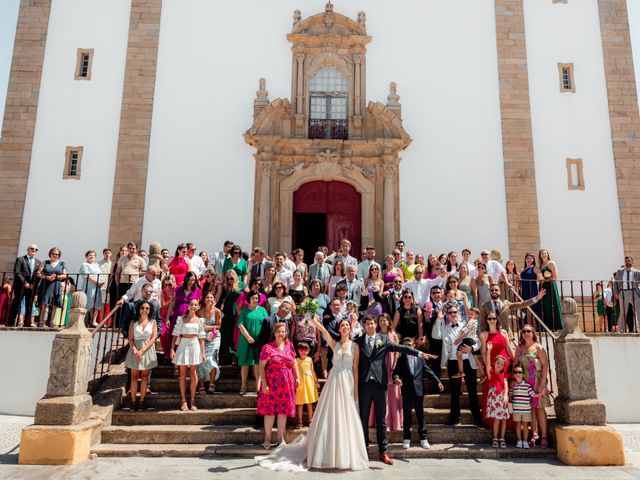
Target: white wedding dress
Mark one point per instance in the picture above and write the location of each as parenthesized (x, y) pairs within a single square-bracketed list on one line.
[(335, 439)]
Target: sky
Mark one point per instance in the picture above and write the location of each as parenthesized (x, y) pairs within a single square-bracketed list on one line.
[(9, 15)]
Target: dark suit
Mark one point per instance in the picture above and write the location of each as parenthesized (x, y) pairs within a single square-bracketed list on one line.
[(372, 383), (23, 274), (355, 292), (392, 304), (255, 270), (410, 371), (435, 345)]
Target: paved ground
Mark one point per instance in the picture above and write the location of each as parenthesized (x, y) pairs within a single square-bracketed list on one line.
[(201, 468)]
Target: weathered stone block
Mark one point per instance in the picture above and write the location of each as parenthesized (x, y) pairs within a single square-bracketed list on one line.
[(580, 412), (63, 410), (575, 370), (583, 445)]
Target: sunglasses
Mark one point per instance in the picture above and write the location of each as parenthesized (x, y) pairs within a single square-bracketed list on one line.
[(34, 249), (491, 318), (452, 312), (398, 282), (527, 331), (145, 308), (519, 372), (407, 296)]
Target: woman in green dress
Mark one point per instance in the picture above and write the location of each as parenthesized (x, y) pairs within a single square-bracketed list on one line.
[(249, 324), (551, 307), (238, 264)]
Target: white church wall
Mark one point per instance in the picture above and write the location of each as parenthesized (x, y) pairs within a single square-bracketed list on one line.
[(211, 55), (74, 214), (581, 228)]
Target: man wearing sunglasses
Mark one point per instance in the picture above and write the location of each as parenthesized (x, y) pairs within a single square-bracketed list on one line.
[(452, 333), (24, 286), (504, 309)]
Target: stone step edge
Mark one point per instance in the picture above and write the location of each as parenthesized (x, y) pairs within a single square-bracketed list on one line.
[(156, 428), (441, 450)]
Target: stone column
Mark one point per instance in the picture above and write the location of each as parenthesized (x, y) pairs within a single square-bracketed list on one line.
[(264, 207), (390, 172), (63, 426), (582, 437), (299, 115)]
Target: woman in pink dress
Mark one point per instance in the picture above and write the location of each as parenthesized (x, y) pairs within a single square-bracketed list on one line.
[(179, 265), (168, 294), (277, 385), (390, 272), (394, 392), (5, 299)]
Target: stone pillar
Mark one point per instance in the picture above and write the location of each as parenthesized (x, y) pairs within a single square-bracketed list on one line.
[(393, 99), (63, 427), (264, 206), (582, 437), (155, 257), (390, 172), (262, 98), (299, 115)]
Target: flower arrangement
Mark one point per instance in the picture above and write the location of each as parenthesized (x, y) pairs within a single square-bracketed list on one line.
[(308, 308)]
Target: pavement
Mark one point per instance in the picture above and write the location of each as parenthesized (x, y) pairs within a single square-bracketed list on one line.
[(201, 468)]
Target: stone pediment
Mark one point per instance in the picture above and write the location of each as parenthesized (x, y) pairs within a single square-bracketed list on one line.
[(328, 23), (384, 122), (274, 120)]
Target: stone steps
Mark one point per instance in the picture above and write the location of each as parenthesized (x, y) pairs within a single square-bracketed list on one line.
[(244, 434), (440, 450), (171, 400), (236, 416)]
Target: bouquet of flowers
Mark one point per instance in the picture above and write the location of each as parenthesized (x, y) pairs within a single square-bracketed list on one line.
[(308, 308)]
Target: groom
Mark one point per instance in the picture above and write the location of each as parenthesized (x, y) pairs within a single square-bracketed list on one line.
[(373, 380)]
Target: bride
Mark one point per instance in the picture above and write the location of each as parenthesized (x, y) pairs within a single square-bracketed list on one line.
[(335, 439)]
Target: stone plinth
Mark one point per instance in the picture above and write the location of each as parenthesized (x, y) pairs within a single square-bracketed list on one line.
[(589, 445), (63, 410)]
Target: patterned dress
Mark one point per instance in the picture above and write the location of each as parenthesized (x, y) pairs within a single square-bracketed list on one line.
[(532, 367), (496, 406), (281, 399)]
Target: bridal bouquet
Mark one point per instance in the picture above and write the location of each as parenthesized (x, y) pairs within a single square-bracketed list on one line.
[(308, 308)]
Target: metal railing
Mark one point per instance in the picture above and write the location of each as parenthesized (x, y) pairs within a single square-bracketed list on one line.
[(108, 341), (328, 128)]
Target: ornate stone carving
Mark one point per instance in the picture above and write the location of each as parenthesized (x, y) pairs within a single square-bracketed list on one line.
[(262, 88), (265, 168), (327, 155), (289, 169), (362, 20), (155, 257), (329, 16), (571, 319), (393, 99), (346, 162), (297, 16), (390, 170), (368, 171)]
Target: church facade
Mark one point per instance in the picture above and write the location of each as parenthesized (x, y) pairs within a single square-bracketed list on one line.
[(508, 124)]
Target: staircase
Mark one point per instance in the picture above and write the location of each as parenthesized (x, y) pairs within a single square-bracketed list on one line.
[(225, 425)]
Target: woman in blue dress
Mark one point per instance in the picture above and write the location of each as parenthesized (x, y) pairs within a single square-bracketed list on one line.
[(529, 282), (51, 274)]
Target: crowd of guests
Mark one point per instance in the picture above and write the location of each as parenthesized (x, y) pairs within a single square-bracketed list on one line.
[(268, 315)]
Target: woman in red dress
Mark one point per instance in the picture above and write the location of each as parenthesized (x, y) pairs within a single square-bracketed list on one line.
[(279, 379), (5, 299), (499, 346), (179, 265)]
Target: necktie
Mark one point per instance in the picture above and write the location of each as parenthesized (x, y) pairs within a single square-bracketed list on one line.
[(628, 282), (370, 343), (31, 264), (496, 308)]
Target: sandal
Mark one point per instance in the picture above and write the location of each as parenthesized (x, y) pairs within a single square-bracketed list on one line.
[(543, 442), (298, 425), (534, 439), (242, 391), (503, 444), (183, 407), (495, 443), (193, 404), (266, 445), (201, 391), (212, 388)]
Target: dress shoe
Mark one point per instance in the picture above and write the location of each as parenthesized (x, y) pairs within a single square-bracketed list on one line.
[(385, 458)]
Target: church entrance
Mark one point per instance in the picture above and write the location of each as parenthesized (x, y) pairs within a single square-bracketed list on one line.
[(323, 214)]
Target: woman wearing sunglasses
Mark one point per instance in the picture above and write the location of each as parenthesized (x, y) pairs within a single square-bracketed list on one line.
[(534, 361)]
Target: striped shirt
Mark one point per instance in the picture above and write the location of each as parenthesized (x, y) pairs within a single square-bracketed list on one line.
[(521, 396)]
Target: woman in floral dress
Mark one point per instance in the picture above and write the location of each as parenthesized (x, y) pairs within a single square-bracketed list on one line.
[(279, 379)]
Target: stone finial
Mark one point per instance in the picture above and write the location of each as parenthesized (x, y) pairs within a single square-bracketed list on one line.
[(262, 98), (297, 16), (329, 16), (328, 7), (362, 19), (393, 99), (78, 300), (571, 319), (155, 257)]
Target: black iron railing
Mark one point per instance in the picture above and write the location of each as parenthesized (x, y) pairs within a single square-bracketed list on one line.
[(328, 129)]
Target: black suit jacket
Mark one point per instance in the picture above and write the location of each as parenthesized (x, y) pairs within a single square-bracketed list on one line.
[(391, 305), (373, 367), (23, 275), (412, 380), (255, 269)]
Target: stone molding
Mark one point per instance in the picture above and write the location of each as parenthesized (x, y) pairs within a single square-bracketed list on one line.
[(517, 137), (132, 160), (20, 114), (624, 117)]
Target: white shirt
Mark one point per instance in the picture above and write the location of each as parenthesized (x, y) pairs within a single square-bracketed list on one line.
[(370, 341), (363, 268), (428, 284), (453, 355), (135, 291), (289, 265), (219, 258), (285, 276), (196, 265), (494, 269)]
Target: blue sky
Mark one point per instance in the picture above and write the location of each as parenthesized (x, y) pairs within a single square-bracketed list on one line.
[(9, 15)]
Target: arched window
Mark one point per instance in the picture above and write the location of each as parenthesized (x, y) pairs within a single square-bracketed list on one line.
[(328, 93)]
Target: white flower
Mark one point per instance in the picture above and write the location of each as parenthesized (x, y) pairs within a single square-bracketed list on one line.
[(378, 343)]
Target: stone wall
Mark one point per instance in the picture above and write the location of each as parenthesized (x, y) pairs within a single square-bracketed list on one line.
[(19, 122)]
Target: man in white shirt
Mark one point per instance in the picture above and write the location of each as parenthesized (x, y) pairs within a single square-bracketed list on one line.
[(466, 253), (288, 263), (421, 287), (135, 291), (196, 265), (494, 268), (363, 266), (451, 335), (221, 256), (283, 274)]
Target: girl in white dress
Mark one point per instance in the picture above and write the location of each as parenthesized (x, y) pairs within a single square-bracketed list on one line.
[(190, 332), (335, 439)]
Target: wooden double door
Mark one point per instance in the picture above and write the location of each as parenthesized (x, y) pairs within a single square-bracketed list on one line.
[(324, 213)]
